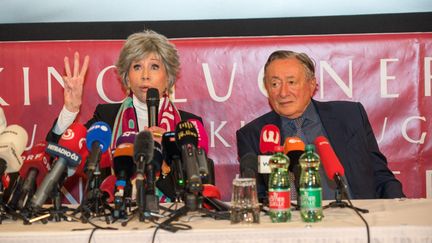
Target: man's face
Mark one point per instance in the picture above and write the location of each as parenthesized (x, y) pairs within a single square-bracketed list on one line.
[(288, 88)]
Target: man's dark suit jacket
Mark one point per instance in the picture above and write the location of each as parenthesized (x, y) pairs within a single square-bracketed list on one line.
[(107, 113), (353, 141)]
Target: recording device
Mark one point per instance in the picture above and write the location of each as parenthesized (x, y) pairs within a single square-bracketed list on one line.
[(212, 198), (202, 135), (107, 188), (36, 165), (334, 171), (172, 156), (124, 168), (332, 166), (187, 141), (249, 165), (202, 150), (143, 155), (294, 148), (269, 138), (13, 140), (152, 100), (67, 158), (97, 141)]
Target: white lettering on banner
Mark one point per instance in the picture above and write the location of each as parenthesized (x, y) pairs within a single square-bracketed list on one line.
[(99, 85), (383, 130), (214, 133), (53, 72), (261, 85), (210, 86), (32, 138), (2, 101), (427, 75), (348, 90), (173, 98), (404, 130), (26, 85), (384, 78)]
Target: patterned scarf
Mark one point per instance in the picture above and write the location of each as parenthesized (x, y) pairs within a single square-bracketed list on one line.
[(126, 120)]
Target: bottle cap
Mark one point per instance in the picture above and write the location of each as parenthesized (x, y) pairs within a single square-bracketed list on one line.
[(310, 147), (278, 149)]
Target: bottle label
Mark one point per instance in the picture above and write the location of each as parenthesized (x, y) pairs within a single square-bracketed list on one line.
[(311, 198), (279, 199)]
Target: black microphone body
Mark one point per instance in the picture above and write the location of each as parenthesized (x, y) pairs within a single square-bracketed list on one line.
[(93, 158), (3, 166), (249, 165), (202, 163), (295, 168), (190, 164), (28, 188), (152, 100), (49, 183), (143, 156)]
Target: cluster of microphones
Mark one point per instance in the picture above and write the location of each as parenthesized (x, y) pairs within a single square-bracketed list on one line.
[(294, 147), (131, 189)]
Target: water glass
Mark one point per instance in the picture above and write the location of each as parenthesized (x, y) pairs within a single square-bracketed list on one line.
[(244, 201)]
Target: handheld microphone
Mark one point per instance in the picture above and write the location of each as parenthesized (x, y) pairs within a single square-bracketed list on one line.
[(152, 100), (187, 140), (13, 140), (66, 159), (332, 166), (98, 141), (269, 138)]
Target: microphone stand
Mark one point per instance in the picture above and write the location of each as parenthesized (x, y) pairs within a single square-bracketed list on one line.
[(56, 212), (122, 200), (93, 204), (339, 193)]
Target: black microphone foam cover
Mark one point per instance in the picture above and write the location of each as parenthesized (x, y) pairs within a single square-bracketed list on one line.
[(249, 165), (143, 147), (186, 133)]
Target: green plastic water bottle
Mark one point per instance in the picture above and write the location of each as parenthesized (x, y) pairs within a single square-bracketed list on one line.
[(310, 186), (279, 187)]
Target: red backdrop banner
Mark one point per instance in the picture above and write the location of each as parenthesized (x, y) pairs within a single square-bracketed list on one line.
[(221, 80)]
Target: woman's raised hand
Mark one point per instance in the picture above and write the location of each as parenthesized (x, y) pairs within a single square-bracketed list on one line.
[(74, 82)]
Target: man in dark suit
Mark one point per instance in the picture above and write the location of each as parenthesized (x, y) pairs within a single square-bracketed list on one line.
[(290, 82)]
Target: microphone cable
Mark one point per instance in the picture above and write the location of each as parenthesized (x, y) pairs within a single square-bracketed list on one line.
[(169, 225), (361, 217)]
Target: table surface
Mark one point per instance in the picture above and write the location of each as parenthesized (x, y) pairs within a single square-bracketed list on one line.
[(390, 220)]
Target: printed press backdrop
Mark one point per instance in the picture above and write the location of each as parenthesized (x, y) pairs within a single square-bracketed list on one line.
[(221, 80)]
